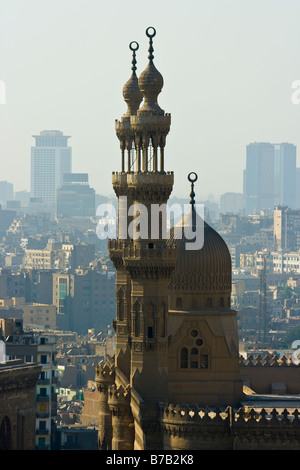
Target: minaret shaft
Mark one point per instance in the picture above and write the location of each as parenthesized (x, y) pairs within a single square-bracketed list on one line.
[(143, 260)]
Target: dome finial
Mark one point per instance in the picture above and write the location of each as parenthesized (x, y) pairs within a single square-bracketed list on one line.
[(192, 177), (150, 32), (133, 46)]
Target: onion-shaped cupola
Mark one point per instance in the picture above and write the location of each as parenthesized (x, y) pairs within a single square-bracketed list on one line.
[(131, 91), (151, 124), (150, 82), (133, 97), (142, 130)]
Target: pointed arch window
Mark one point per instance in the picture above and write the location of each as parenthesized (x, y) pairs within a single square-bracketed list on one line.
[(203, 359), (151, 321), (162, 321), (121, 305), (196, 356), (184, 358), (137, 319), (121, 309), (5, 434)]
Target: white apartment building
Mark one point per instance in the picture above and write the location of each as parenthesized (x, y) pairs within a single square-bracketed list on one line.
[(51, 158), (279, 262)]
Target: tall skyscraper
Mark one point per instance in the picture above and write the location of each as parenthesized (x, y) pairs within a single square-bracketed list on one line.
[(285, 175), (51, 158), (270, 176), (259, 177), (6, 192), (297, 188)]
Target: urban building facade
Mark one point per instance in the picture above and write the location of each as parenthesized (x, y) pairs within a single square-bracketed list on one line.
[(6, 192), (233, 203), (75, 198), (270, 176), (46, 392), (59, 256), (38, 348), (259, 177), (51, 158), (84, 299), (285, 163), (279, 262), (286, 229), (17, 404), (34, 315)]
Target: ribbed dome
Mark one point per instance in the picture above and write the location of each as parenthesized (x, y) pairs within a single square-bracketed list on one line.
[(131, 91), (150, 84), (203, 274), (132, 95)]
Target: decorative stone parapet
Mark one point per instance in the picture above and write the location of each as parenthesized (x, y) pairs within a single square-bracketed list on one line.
[(267, 361)]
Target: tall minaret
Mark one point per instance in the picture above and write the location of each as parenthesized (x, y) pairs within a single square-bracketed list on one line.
[(143, 260), (133, 97)]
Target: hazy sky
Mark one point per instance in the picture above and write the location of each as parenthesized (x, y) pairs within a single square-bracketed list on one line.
[(228, 68)]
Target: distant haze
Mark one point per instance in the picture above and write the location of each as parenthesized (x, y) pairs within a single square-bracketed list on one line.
[(228, 68)]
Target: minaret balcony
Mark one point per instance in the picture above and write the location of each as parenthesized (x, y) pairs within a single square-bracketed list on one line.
[(143, 123), (127, 179)]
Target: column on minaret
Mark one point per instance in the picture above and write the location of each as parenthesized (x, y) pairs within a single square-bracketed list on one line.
[(104, 378)]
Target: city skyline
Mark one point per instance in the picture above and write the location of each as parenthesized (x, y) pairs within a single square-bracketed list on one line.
[(236, 86), (270, 179), (157, 329)]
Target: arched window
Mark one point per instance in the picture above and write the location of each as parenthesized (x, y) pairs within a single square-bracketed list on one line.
[(179, 302), (222, 302), (162, 321), (121, 309), (121, 305), (151, 320), (184, 358), (5, 434), (203, 360), (137, 320), (209, 302), (194, 358), (197, 355)]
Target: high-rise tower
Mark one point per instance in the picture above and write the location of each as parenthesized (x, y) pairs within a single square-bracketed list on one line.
[(51, 158), (285, 163), (259, 177)]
